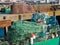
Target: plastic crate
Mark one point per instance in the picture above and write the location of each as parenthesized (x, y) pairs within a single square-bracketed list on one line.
[(54, 41)]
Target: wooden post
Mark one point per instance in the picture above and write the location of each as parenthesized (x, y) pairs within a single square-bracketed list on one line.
[(6, 30)]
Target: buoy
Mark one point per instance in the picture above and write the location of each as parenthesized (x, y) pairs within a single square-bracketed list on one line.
[(33, 36), (56, 35), (31, 42), (53, 36)]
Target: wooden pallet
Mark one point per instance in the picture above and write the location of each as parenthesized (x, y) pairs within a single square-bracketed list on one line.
[(57, 13), (12, 17), (25, 16), (6, 24), (43, 8), (15, 17)]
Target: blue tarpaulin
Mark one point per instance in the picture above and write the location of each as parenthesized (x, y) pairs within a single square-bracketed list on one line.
[(1, 32)]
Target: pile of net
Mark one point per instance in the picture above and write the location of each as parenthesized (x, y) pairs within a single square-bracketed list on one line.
[(19, 29), (51, 21), (4, 43)]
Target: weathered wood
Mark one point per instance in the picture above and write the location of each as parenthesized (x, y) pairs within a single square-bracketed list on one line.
[(5, 23), (12, 17)]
